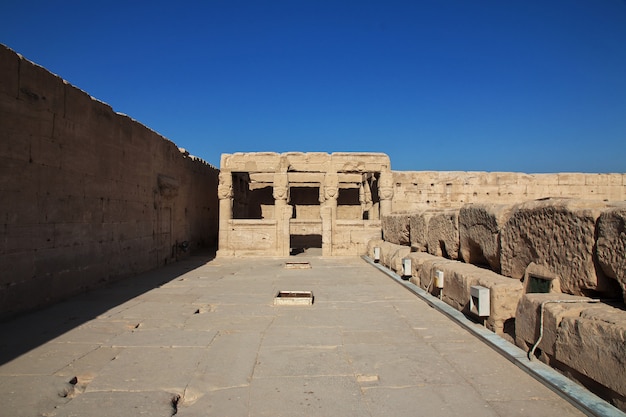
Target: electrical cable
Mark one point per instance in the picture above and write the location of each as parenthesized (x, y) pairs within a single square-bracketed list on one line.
[(531, 352)]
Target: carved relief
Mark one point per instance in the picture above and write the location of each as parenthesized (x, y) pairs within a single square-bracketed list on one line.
[(331, 186), (225, 186), (281, 186), (385, 190)]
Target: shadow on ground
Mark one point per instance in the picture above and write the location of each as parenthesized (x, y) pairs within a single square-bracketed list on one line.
[(25, 332)]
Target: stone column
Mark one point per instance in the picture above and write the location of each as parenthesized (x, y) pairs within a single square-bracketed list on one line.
[(385, 192), (328, 211), (365, 198), (225, 195), (282, 213)]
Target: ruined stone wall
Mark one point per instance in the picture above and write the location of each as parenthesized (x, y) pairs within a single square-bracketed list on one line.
[(431, 189), (87, 195)]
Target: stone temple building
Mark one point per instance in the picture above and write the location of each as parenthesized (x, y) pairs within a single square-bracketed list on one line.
[(274, 204)]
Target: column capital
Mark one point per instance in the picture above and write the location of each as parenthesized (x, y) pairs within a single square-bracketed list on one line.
[(385, 188), (331, 186), (225, 185), (281, 186)]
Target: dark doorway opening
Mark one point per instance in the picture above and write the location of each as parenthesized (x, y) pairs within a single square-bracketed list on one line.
[(304, 243)]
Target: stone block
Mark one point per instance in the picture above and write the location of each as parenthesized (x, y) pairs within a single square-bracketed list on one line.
[(252, 237), (597, 179), (504, 295), (425, 267), (573, 178), (418, 260), (359, 161), (395, 263), (593, 345), (458, 280), (558, 234), (557, 307), (479, 233), (391, 255), (507, 179), (396, 228), (252, 162), (443, 234), (513, 193), (359, 239), (611, 245), (418, 229), (373, 243)]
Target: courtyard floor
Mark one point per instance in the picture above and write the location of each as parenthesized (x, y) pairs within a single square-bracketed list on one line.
[(202, 337)]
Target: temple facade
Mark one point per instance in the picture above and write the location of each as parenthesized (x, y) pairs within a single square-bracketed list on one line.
[(277, 204)]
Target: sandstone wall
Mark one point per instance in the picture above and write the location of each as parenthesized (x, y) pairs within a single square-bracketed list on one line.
[(88, 195), (431, 189)]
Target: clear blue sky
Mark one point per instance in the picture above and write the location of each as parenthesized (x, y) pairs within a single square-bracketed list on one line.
[(481, 85)]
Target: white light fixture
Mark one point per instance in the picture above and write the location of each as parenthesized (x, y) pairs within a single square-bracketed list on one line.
[(439, 279), (376, 254), (406, 267), (480, 304)]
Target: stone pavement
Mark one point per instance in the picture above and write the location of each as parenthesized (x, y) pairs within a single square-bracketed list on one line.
[(202, 338)]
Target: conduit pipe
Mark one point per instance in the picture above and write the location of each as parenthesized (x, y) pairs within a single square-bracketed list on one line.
[(531, 352)]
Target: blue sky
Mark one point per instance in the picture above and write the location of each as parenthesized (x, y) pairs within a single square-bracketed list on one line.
[(473, 85)]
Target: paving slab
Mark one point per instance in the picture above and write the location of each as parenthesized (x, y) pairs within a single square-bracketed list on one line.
[(231, 402), (119, 404), (228, 363), (203, 338), (149, 369)]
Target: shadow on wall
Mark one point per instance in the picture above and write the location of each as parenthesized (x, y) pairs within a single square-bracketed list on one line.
[(33, 329)]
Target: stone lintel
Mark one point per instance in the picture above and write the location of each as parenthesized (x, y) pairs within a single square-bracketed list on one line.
[(306, 162)]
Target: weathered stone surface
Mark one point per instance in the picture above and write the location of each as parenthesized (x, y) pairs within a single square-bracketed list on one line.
[(81, 199), (443, 189), (396, 228), (585, 340), (337, 198), (427, 278), (371, 244), (460, 277), (443, 234), (560, 235), (611, 245), (539, 271), (418, 259), (594, 344), (479, 233), (9, 72), (418, 229), (121, 403), (391, 255), (557, 307), (352, 236)]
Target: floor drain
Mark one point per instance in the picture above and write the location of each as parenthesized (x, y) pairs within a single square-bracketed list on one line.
[(294, 298), (297, 265)]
